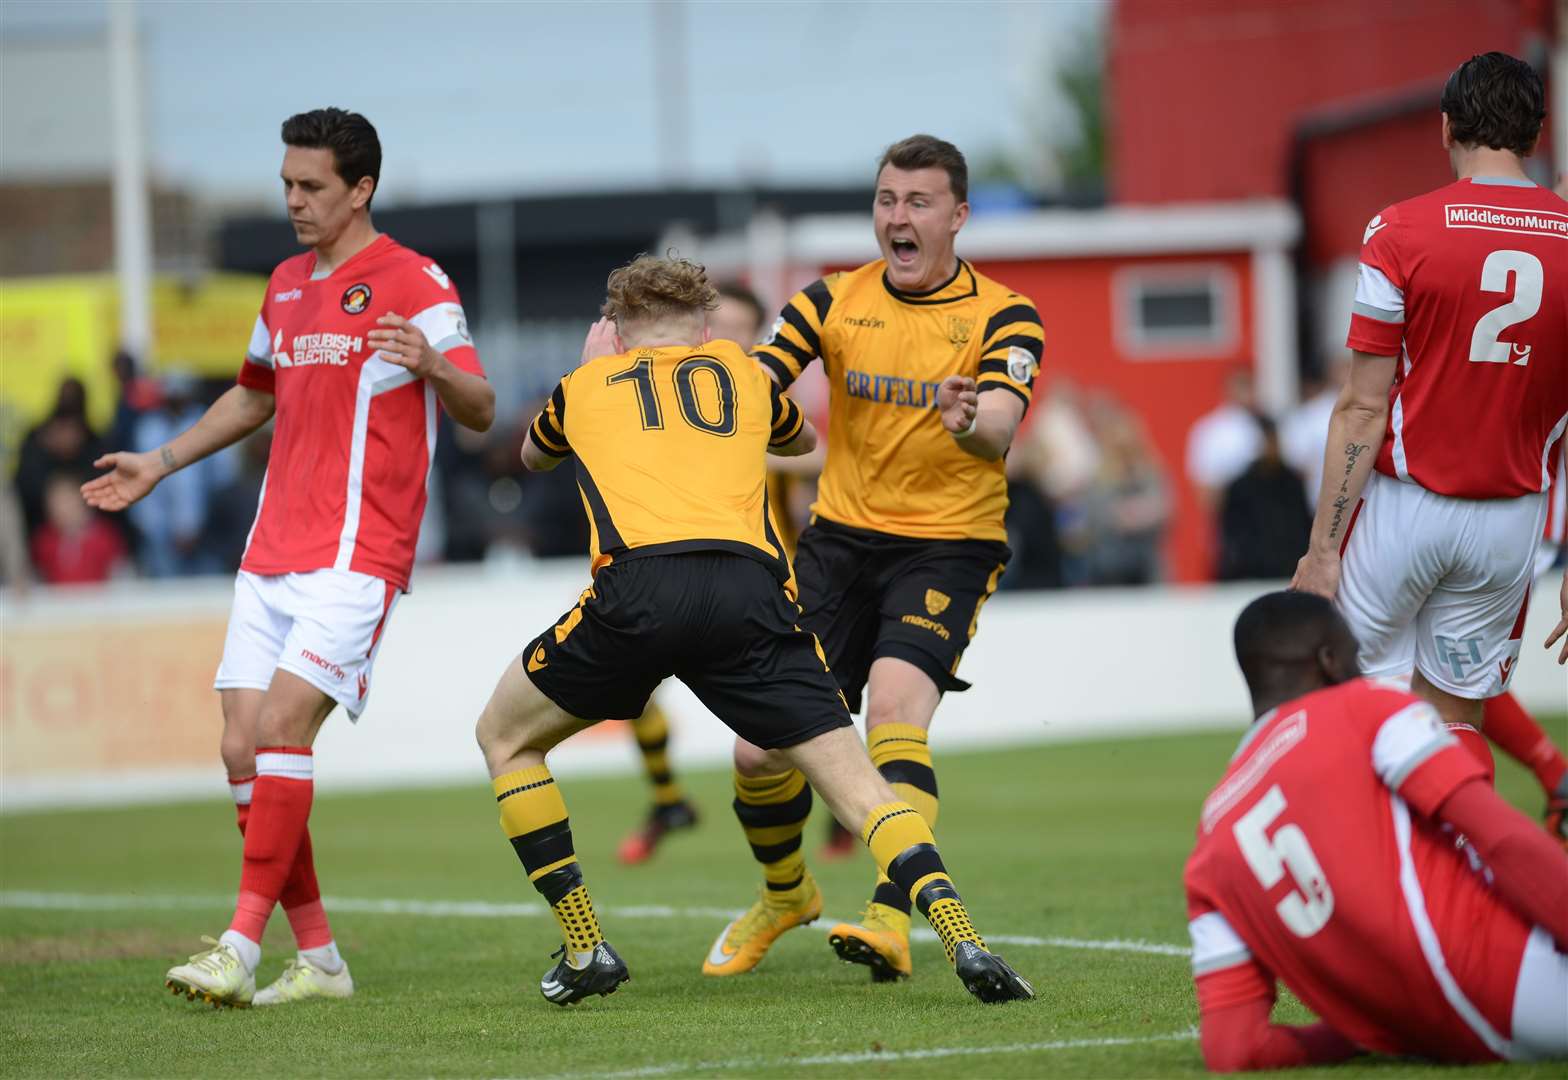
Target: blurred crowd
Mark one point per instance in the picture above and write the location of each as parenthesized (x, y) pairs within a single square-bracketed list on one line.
[(1091, 499)]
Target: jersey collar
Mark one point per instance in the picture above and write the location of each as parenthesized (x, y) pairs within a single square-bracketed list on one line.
[(961, 286), (376, 245)]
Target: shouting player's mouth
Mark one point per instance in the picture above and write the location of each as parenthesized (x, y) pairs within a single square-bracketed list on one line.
[(905, 251)]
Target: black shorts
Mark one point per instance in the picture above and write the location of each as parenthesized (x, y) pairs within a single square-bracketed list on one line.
[(869, 594), (719, 622)]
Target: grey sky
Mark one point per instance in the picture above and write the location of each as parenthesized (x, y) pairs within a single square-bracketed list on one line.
[(476, 98)]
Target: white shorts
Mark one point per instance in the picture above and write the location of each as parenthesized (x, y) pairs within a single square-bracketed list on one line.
[(324, 626), (1540, 1019), (1440, 584)]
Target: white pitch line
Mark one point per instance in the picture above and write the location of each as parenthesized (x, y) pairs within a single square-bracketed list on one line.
[(864, 1056), (485, 909)]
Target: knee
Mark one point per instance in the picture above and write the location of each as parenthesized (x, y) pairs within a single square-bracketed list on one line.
[(238, 752), (754, 761), (894, 709)]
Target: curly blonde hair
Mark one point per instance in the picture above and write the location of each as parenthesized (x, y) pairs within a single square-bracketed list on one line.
[(649, 287)]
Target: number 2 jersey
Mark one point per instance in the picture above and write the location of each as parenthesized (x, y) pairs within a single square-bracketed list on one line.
[(1468, 286), (1318, 863), (671, 445), (354, 434)]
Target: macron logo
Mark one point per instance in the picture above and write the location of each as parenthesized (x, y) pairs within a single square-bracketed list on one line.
[(1373, 226), (438, 276), (1506, 219)]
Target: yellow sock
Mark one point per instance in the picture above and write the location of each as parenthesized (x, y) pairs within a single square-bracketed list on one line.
[(773, 812), (901, 754), (652, 730), (533, 816), (902, 844)]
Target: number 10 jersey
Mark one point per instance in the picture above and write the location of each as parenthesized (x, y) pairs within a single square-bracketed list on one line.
[(1468, 286)]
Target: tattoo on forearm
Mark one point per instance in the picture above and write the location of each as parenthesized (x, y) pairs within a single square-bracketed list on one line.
[(167, 456), (1353, 452)]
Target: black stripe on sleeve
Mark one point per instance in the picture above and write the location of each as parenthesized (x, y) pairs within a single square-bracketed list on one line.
[(558, 399), (779, 368), (1015, 313), (1032, 345), (797, 322), (998, 384), (821, 298), (550, 442)]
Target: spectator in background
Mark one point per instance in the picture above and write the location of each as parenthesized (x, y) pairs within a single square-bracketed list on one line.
[(1053, 462), (1265, 522), (15, 569), (63, 442), (1225, 440), (1303, 434), (1126, 508), (139, 394), (74, 545), (232, 505), (171, 518)]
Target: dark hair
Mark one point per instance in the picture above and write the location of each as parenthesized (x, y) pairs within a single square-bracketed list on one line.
[(1496, 101), (930, 152), (1281, 626), (734, 290), (356, 149)]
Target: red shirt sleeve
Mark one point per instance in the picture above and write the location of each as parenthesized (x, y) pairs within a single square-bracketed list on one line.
[(256, 371), (434, 306), (1377, 317), (1529, 869)]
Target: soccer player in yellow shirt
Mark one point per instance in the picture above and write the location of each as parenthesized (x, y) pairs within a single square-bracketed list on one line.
[(669, 432), (931, 366)]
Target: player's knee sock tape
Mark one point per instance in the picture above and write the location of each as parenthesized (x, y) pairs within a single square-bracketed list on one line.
[(902, 844), (901, 754), (652, 729), (773, 812), (533, 816)]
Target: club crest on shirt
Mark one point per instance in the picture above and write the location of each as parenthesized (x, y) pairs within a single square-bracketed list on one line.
[(958, 330), (356, 298), (936, 602)]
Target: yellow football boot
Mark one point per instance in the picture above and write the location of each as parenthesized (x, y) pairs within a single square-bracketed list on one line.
[(742, 944), (880, 941)]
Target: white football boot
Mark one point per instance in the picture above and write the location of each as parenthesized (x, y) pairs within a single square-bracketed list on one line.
[(217, 976), (303, 979)]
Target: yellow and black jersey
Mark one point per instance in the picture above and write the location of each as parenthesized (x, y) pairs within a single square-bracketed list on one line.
[(671, 445), (891, 466)]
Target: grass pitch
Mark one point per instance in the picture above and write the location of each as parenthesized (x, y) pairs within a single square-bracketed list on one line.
[(1073, 843)]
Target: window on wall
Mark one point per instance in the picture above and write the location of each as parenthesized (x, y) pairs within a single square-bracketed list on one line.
[(1176, 309)]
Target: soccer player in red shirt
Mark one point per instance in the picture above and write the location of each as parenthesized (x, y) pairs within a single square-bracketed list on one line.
[(359, 341), (1441, 447), (1356, 851)]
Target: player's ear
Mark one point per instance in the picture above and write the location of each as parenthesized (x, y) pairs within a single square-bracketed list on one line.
[(364, 188), (960, 215), (1448, 134)]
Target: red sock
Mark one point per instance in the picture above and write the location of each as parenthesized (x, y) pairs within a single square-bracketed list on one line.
[(301, 900), (1521, 738), (280, 809)]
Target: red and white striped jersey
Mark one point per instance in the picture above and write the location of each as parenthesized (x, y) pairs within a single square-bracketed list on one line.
[(1318, 863), (1468, 286), (355, 434)]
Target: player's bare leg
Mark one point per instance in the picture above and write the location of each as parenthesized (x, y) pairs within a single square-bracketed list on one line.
[(291, 713), (772, 801), (518, 727), (900, 703), (1452, 708), (318, 969), (901, 843)]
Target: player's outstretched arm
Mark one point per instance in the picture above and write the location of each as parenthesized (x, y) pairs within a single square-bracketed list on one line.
[(1529, 869), (469, 398), (233, 416), (1355, 435), (1238, 1037), (982, 425), (536, 459)]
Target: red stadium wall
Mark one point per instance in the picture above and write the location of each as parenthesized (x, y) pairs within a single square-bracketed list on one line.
[(1206, 96)]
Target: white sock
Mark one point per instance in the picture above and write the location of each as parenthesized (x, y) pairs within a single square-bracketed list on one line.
[(326, 957), (250, 951), (579, 960)]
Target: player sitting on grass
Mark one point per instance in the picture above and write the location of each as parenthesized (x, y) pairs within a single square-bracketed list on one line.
[(670, 432), (1357, 852)]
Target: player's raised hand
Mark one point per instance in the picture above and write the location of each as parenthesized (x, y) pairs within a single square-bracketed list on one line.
[(1561, 629), (402, 343), (1317, 574), (602, 340), (130, 478), (957, 401)]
